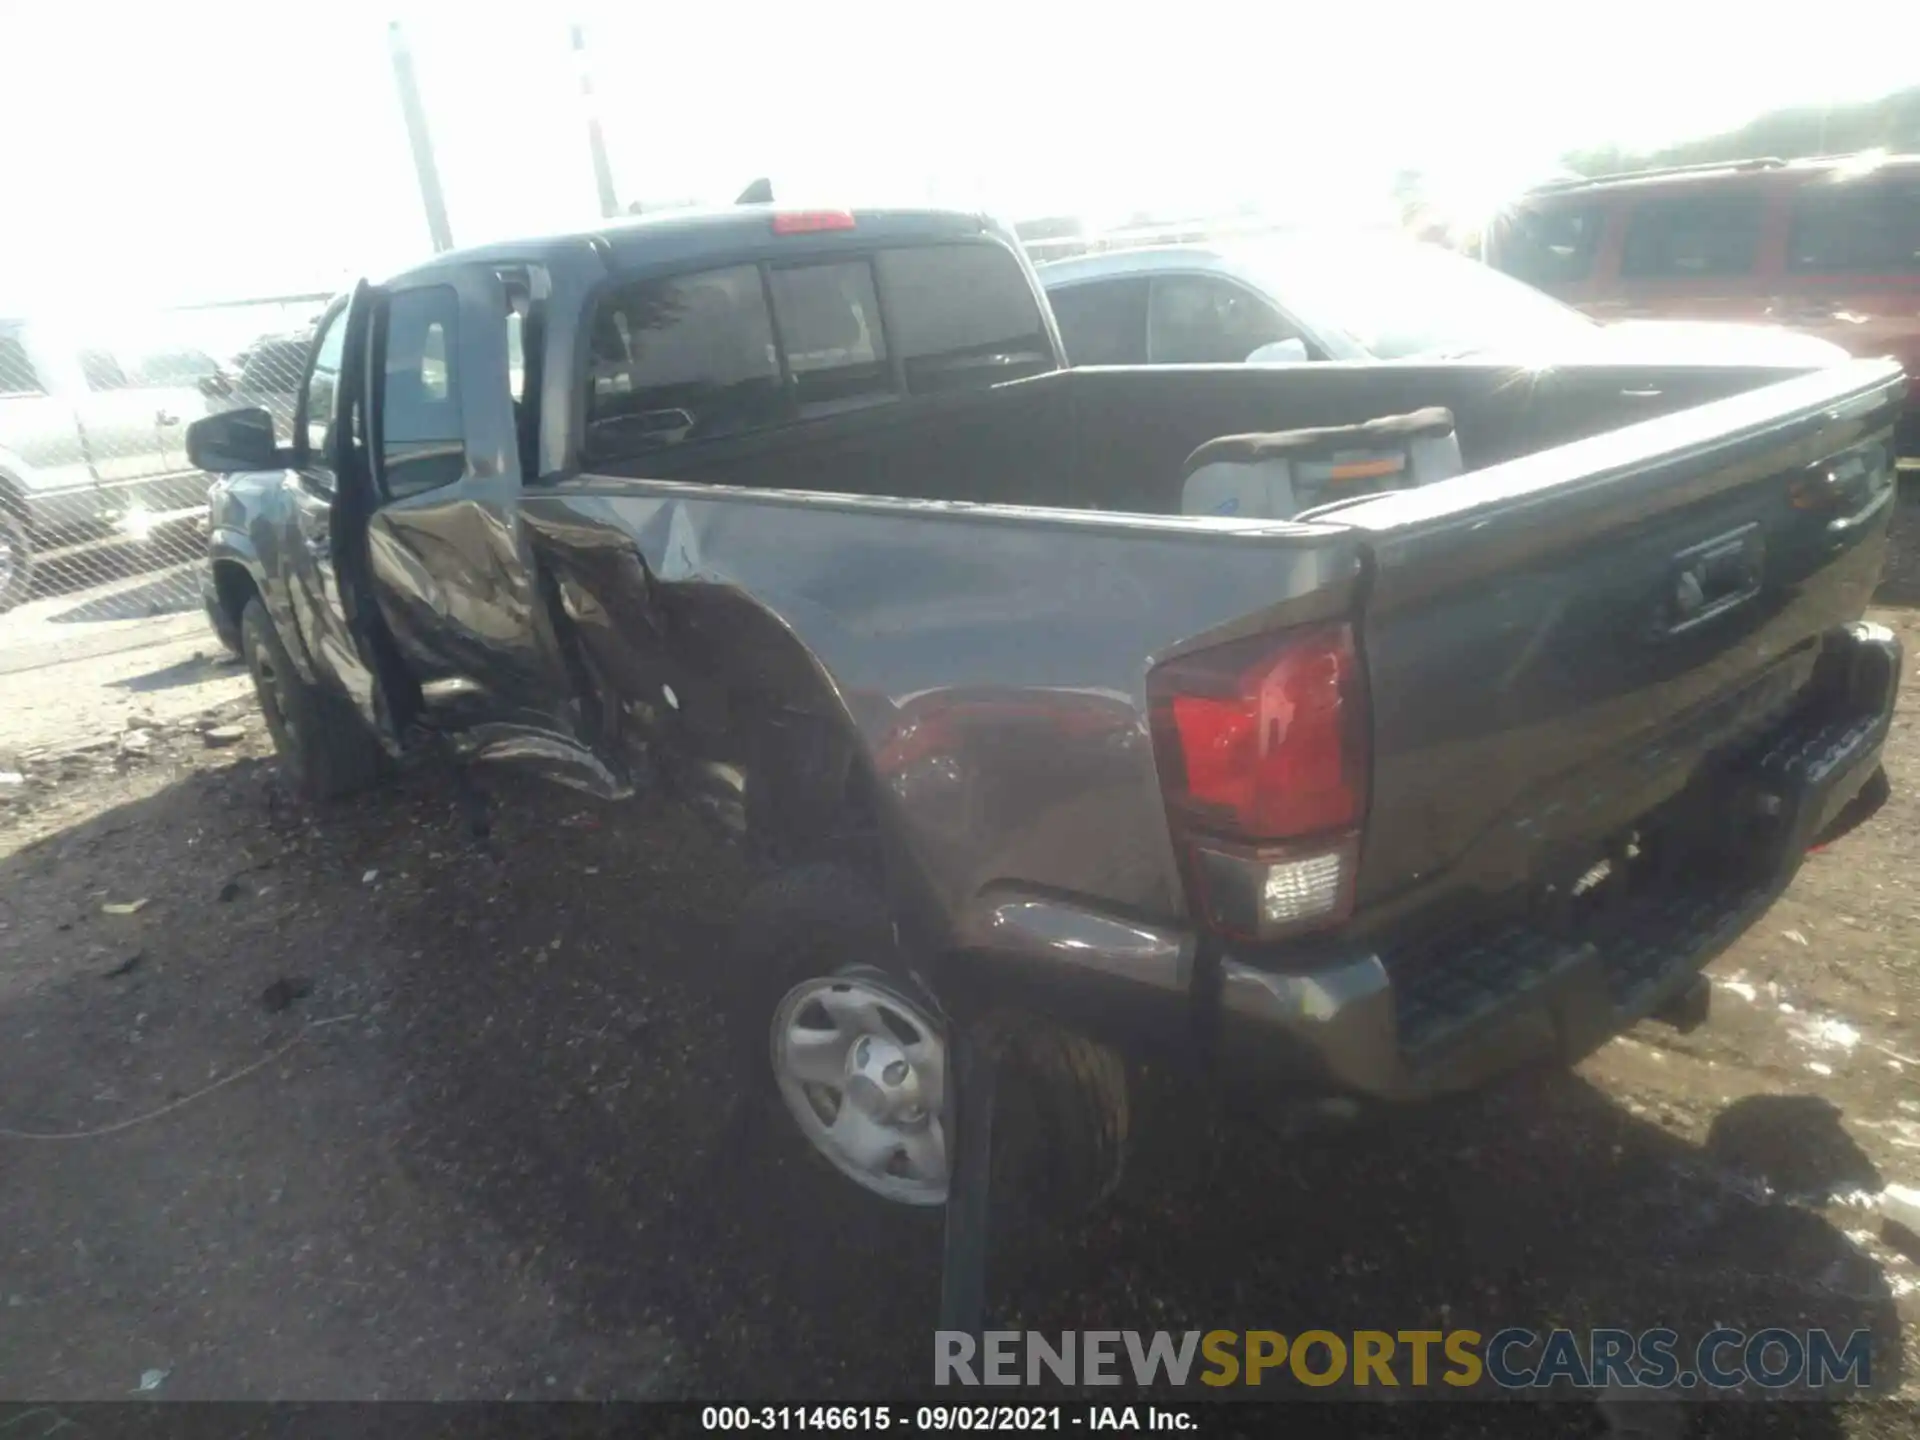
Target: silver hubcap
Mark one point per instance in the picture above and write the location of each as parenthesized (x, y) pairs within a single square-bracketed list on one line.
[(864, 1071)]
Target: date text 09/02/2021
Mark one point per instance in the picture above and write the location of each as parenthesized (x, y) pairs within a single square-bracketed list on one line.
[(923, 1418)]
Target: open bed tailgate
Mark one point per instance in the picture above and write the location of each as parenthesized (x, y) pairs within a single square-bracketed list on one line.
[(1556, 645)]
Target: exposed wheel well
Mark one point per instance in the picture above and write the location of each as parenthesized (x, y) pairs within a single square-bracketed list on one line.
[(234, 586)]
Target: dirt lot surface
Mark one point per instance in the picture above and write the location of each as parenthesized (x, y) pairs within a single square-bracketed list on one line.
[(453, 1119)]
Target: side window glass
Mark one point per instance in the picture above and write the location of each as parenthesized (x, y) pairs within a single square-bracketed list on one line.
[(322, 385), (102, 370), (1198, 320), (171, 370), (16, 370), (829, 321), (422, 439), (1102, 322), (962, 316), (516, 358), (1859, 228), (1692, 238), (1551, 245), (689, 357)]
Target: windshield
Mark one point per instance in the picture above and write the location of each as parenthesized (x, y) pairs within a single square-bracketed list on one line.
[(1397, 300)]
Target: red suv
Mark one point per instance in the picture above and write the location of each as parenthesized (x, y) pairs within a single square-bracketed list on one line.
[(1828, 246)]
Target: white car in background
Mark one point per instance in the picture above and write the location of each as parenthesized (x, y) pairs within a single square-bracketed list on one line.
[(1303, 297)]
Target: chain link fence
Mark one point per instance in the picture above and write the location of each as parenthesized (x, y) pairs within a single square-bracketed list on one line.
[(102, 517)]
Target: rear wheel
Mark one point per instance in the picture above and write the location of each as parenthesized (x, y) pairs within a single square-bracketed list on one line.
[(16, 558), (325, 746), (859, 1053)]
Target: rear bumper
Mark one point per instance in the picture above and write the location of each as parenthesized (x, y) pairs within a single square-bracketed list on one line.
[(1408, 1026)]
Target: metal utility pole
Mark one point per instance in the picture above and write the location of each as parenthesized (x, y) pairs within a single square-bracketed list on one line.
[(596, 141), (421, 141)]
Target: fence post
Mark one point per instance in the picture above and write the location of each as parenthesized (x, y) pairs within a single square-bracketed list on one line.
[(419, 138), (596, 139)]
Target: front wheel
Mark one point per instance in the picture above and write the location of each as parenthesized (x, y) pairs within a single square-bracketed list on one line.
[(325, 746)]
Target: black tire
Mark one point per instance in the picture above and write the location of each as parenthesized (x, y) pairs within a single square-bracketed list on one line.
[(16, 558), (1061, 1117), (326, 748)]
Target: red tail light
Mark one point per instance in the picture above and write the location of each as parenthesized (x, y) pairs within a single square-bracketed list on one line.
[(811, 222), (1268, 736), (1262, 748)]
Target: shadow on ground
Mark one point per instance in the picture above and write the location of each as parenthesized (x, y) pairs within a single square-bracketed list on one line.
[(175, 592), (525, 1137)]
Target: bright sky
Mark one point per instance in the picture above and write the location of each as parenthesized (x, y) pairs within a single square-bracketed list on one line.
[(207, 148)]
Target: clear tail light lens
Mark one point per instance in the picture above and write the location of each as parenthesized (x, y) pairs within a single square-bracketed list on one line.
[(1262, 748)]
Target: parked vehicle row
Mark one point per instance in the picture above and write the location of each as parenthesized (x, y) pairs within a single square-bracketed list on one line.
[(1828, 246), (91, 439), (1507, 695), (1317, 296)]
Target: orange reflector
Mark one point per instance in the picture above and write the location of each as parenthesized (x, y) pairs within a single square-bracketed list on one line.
[(1368, 469), (811, 222)]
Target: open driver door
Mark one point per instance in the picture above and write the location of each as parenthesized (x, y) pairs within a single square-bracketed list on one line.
[(442, 583)]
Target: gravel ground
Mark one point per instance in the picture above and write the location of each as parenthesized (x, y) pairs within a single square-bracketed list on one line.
[(478, 1131)]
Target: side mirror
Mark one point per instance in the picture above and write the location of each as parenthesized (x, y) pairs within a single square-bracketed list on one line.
[(231, 441), (1280, 352)]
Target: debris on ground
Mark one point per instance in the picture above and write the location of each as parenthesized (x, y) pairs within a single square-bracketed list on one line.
[(229, 892), (218, 736), (126, 907), (126, 966), (283, 992)]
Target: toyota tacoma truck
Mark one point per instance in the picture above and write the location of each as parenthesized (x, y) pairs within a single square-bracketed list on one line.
[(1526, 696)]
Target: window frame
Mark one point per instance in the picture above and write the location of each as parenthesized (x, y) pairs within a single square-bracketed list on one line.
[(1750, 199)]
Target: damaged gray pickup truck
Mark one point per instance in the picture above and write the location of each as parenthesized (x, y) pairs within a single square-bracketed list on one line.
[(1381, 726)]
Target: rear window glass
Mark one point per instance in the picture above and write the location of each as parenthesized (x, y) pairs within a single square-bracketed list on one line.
[(689, 357), (836, 347), (1861, 228), (1550, 245), (1692, 237), (962, 316)]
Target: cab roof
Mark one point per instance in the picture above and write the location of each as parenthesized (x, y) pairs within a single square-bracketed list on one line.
[(741, 231)]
